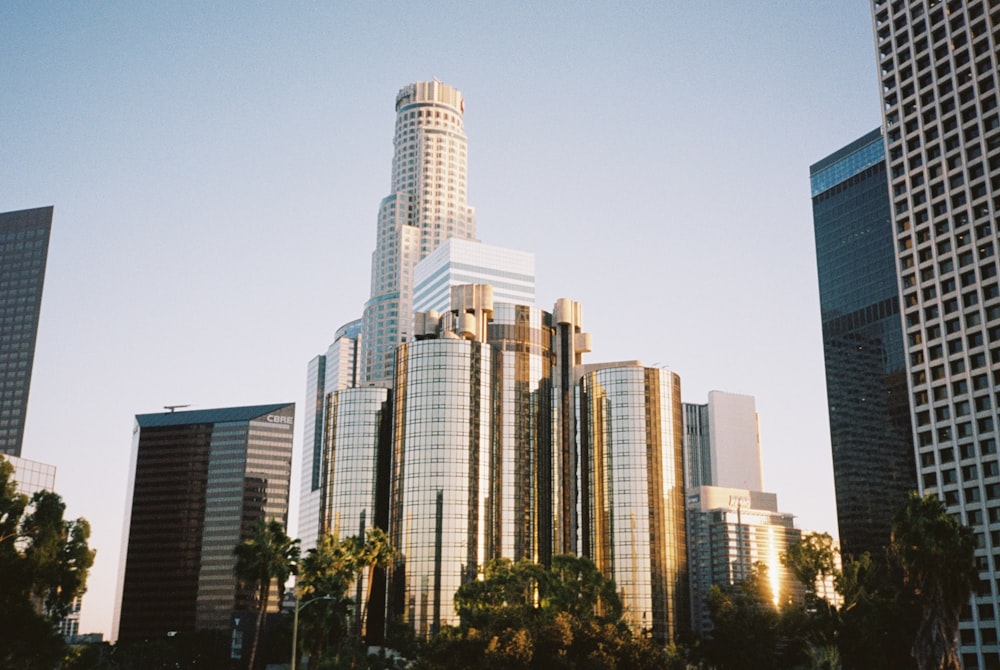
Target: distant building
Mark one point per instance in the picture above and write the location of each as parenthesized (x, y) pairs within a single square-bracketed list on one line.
[(426, 206), (24, 248), (333, 371), (32, 476), (722, 442), (510, 273), (729, 531), (201, 483), (870, 433)]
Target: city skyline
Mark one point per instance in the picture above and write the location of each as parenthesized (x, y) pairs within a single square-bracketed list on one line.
[(198, 203)]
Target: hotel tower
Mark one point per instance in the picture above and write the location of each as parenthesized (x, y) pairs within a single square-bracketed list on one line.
[(938, 70), (426, 206)]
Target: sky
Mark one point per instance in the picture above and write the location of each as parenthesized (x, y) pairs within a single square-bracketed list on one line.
[(216, 170)]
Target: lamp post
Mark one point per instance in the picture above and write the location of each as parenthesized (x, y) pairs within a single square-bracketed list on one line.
[(295, 624)]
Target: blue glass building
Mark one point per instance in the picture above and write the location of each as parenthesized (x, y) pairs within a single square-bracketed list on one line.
[(863, 342)]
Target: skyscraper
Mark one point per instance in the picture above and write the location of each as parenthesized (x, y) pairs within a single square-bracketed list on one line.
[(722, 442), (201, 482), (632, 495), (427, 205), (335, 370), (24, 248), (938, 69), (867, 398)]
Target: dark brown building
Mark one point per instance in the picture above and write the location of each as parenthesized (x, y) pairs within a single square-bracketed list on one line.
[(201, 482)]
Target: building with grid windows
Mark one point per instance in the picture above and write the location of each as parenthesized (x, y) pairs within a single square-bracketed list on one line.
[(730, 530), (427, 205), (867, 396), (201, 482), (24, 249), (631, 454), (32, 476), (511, 273), (336, 369), (939, 65)]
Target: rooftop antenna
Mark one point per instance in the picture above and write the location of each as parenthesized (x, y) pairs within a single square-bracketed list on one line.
[(171, 408)]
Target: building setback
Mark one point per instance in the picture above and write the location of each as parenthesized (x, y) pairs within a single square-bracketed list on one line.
[(24, 248), (427, 205), (201, 483), (938, 68), (866, 389)]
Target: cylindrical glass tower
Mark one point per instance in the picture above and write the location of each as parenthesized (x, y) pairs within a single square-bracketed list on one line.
[(633, 492), (445, 433)]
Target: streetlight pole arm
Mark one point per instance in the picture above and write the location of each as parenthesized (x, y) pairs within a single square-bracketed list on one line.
[(295, 624)]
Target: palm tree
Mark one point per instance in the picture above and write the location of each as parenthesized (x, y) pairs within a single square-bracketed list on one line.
[(327, 572), (376, 552), (937, 555), (270, 555)]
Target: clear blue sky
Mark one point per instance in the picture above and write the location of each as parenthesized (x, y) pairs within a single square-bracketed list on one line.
[(216, 171)]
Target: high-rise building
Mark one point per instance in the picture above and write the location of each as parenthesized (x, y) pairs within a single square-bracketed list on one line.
[(722, 442), (938, 70), (426, 206), (511, 273), (333, 371), (32, 476), (201, 482), (633, 519), (731, 530), (24, 248), (867, 397)]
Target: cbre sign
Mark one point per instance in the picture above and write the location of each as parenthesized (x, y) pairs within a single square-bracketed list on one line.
[(284, 420)]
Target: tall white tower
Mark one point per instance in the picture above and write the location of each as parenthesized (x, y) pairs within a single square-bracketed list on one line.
[(427, 206)]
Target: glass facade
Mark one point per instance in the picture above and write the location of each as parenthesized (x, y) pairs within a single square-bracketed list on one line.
[(863, 343), (444, 435), (633, 492), (32, 476), (24, 248), (201, 482), (522, 335)]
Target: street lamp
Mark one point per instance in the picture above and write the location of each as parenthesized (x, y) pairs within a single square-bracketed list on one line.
[(295, 624)]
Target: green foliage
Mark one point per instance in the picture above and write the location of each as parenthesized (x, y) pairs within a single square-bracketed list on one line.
[(937, 556), (44, 562), (746, 624), (520, 615), (270, 555), (326, 574), (810, 559)]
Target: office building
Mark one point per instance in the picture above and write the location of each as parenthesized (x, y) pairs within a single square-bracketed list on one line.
[(633, 498), (426, 206), (201, 482), (509, 272), (722, 442), (336, 369), (32, 476), (24, 248), (731, 530), (867, 397), (938, 69)]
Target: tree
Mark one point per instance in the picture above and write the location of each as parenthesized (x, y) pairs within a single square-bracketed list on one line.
[(521, 615), (326, 573), (937, 556), (376, 553), (269, 556), (746, 624), (811, 558), (44, 562)]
